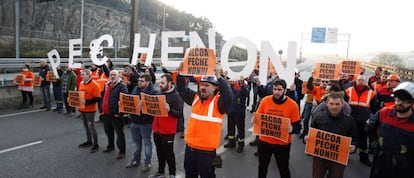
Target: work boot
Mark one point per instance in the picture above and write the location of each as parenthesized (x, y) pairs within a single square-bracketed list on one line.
[(364, 159), (217, 161), (240, 146), (231, 143)]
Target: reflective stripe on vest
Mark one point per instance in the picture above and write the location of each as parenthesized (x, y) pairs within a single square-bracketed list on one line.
[(357, 102), (204, 124), (209, 116)]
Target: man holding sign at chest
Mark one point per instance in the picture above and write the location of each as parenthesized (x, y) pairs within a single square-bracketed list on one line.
[(203, 132), (327, 146), (271, 111)]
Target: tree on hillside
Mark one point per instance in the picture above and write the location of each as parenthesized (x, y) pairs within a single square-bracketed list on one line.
[(389, 59)]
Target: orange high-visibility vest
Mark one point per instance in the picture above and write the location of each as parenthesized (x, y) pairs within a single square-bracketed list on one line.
[(95, 75), (204, 124), (363, 100), (102, 81)]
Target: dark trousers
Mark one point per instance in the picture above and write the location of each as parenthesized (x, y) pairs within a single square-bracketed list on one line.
[(68, 108), (389, 165), (26, 94), (165, 152), (321, 166), (57, 94), (117, 124), (281, 154), (306, 115), (46, 95), (363, 138), (236, 119), (198, 162), (180, 124), (89, 125)]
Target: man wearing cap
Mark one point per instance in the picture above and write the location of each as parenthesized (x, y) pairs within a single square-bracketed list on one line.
[(209, 105), (385, 98), (393, 129)]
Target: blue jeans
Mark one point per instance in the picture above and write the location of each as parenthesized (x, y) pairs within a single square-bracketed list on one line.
[(57, 93), (141, 132), (306, 114), (46, 95)]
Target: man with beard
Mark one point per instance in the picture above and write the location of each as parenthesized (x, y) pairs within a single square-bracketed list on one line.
[(141, 126), (394, 132), (112, 119), (280, 105), (363, 103), (208, 108), (164, 128)]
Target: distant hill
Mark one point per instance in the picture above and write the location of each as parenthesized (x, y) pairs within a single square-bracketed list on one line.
[(48, 24)]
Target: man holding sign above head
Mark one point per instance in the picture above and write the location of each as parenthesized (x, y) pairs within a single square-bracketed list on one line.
[(277, 115), (112, 119), (332, 120), (164, 128), (209, 105), (141, 126)]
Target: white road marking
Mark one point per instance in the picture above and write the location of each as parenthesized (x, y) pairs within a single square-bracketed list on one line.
[(20, 147), (20, 113)]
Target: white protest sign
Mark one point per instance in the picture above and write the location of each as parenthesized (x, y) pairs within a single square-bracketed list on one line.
[(73, 52), (137, 49), (251, 58), (54, 64), (166, 49), (267, 52), (96, 49)]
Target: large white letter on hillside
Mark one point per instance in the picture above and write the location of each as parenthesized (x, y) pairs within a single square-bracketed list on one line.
[(54, 64), (267, 53), (73, 52), (96, 49), (251, 57), (137, 49), (196, 42), (166, 49)]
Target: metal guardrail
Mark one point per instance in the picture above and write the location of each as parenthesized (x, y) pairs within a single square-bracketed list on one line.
[(407, 74)]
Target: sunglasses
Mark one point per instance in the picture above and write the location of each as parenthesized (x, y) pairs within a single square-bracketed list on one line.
[(325, 81)]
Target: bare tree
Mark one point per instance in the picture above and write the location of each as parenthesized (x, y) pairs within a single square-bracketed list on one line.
[(389, 59)]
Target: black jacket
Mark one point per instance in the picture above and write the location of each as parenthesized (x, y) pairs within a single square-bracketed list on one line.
[(175, 101), (343, 124), (43, 72), (114, 96), (143, 118)]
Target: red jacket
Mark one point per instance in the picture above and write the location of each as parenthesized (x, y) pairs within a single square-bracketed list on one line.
[(165, 125)]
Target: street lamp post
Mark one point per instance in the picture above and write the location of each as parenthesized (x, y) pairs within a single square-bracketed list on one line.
[(163, 20)]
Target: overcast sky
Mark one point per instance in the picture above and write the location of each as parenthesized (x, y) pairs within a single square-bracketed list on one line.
[(372, 25)]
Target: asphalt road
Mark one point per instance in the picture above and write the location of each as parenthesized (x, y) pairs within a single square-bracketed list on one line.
[(45, 144)]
